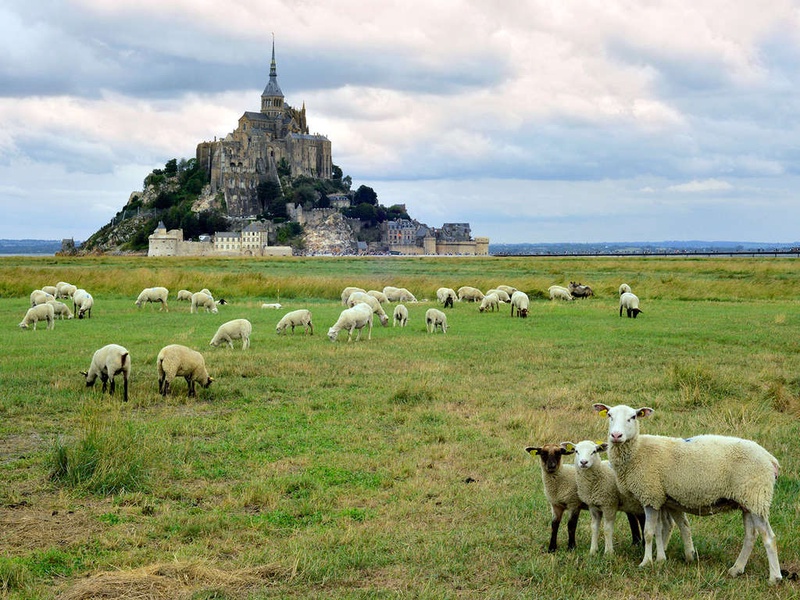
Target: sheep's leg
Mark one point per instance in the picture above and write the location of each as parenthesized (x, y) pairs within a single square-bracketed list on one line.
[(572, 527), (190, 385), (125, 388), (558, 512), (596, 517), (770, 545), (104, 379), (608, 529), (111, 387), (369, 333), (245, 343), (651, 518), (636, 528), (661, 554), (682, 520)]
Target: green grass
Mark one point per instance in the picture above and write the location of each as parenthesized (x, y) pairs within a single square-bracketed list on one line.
[(383, 468)]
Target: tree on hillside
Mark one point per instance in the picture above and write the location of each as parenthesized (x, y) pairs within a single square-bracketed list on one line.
[(365, 194)]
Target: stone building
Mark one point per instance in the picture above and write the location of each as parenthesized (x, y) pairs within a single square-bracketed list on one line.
[(250, 155)]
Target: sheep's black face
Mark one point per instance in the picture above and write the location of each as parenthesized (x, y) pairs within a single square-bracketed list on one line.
[(550, 454)]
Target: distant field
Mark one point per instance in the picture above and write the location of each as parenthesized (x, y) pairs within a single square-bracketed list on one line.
[(393, 467)]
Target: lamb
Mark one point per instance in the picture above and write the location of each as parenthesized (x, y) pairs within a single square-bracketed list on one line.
[(400, 315), (358, 297), (629, 302), (624, 288), (470, 294), (357, 317), (295, 319), (446, 296), (520, 301), (184, 296), (271, 305), (346, 292), (82, 303), (502, 295), (108, 362), (60, 309), (40, 312), (701, 475), (237, 329), (154, 294), (561, 491), (559, 292), (203, 300), (379, 296), (50, 289), (179, 361), (40, 297), (65, 290), (490, 302), (435, 318), (578, 290)]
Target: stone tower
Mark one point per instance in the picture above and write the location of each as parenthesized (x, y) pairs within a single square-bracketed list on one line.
[(249, 155)]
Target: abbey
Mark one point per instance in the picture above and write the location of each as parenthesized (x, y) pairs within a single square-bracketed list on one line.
[(250, 155)]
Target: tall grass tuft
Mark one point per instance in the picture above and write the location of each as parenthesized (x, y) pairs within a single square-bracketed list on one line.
[(14, 576)]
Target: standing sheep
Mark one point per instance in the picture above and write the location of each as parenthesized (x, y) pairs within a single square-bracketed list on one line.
[(60, 309), (629, 302), (469, 294), (50, 289), (108, 362), (561, 491), (624, 287), (507, 289), (490, 302), (82, 303), (237, 329), (184, 296), (400, 315), (358, 297), (40, 297), (559, 292), (40, 312), (154, 294), (179, 361), (357, 317), (520, 301), (446, 296), (502, 296), (435, 318), (702, 475), (294, 319), (203, 300), (346, 292), (379, 296), (65, 290)]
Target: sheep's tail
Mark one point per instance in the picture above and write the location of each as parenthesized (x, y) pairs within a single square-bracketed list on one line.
[(123, 358)]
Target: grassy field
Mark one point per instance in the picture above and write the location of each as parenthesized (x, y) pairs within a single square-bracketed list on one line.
[(387, 468)]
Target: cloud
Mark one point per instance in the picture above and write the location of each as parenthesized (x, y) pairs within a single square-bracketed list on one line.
[(708, 185)]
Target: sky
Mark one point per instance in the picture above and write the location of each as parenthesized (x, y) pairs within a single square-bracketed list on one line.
[(534, 120)]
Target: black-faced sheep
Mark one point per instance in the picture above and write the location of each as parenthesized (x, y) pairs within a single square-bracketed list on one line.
[(400, 315), (434, 318), (108, 362), (629, 302), (179, 361), (521, 302)]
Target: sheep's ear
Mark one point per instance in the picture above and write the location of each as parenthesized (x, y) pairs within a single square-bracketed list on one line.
[(601, 409), (567, 448), (602, 446), (533, 450), (644, 412), (85, 373)]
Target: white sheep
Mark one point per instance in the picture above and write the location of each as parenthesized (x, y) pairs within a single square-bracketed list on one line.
[(507, 289), (50, 289), (203, 300), (154, 294), (357, 317), (271, 305), (236, 329), (179, 361), (83, 302), (40, 312), (624, 287), (702, 475), (184, 296), (490, 302), (40, 297), (395, 294), (470, 294), (346, 292), (502, 295), (520, 301), (400, 315), (559, 292), (435, 318), (296, 318), (379, 296), (629, 302), (446, 296), (60, 309), (108, 362), (561, 491), (358, 297), (65, 290)]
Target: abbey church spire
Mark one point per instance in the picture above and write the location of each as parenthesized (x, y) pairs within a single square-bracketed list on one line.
[(272, 97)]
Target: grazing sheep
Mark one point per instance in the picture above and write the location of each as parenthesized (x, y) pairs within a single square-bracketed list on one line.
[(203, 300), (578, 290), (83, 303), (40, 297), (108, 362), (271, 305), (400, 315), (184, 296), (60, 309), (394, 294), (379, 296), (358, 297), (346, 292), (294, 319), (624, 288), (507, 289), (561, 491), (629, 302), (154, 294), (435, 318), (65, 290), (446, 296), (470, 294), (179, 361), (490, 302), (357, 317), (702, 475), (50, 289), (502, 295), (40, 312), (237, 329), (559, 292), (520, 301)]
